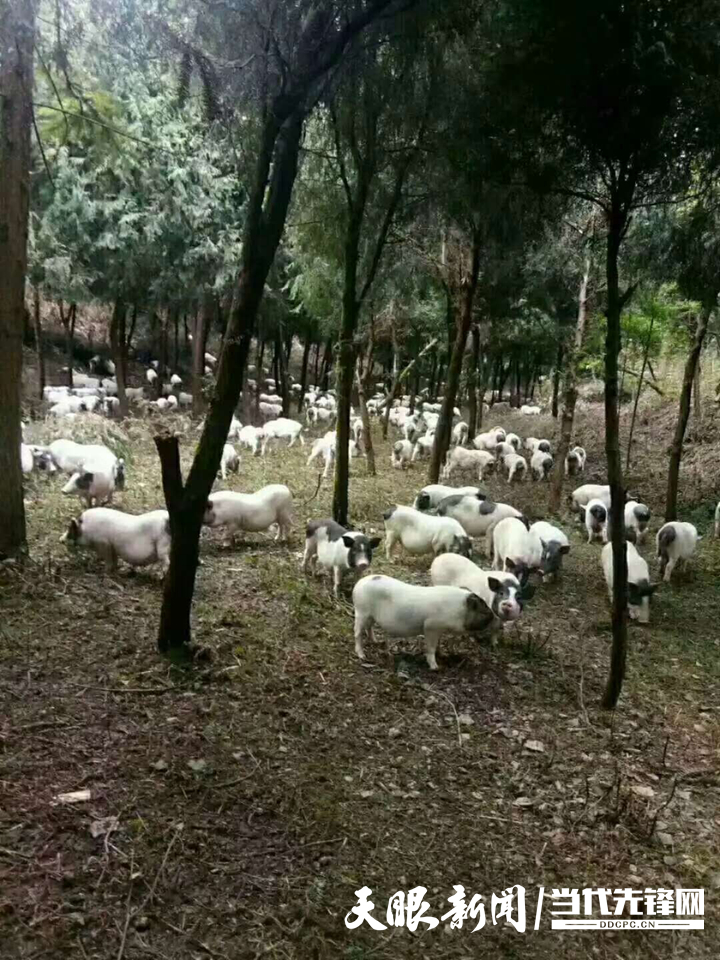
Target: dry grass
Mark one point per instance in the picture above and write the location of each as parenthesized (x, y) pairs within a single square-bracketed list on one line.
[(318, 775)]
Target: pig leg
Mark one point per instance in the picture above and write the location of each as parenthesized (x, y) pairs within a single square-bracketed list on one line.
[(300, 438), (670, 566), (389, 544), (363, 626), (223, 470), (337, 581), (431, 643), (310, 555)]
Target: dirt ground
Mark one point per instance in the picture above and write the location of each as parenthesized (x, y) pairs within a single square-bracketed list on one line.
[(235, 807)]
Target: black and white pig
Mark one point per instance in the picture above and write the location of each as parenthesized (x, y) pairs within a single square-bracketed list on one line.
[(138, 540), (332, 546), (405, 610)]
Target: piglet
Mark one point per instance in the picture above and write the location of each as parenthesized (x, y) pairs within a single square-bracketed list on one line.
[(337, 549), (676, 543), (138, 540)]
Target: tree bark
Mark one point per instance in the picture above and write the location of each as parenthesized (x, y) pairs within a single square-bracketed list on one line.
[(444, 427), (176, 352), (572, 357), (201, 326), (16, 84), (282, 380), (646, 350), (303, 373), (473, 382), (684, 413), (697, 390), (363, 379), (325, 369), (556, 380), (117, 346), (614, 308), (65, 320), (39, 343)]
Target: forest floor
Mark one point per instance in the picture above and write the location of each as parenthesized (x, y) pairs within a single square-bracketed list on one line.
[(234, 807)]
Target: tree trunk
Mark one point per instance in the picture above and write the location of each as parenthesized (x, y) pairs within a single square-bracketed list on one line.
[(473, 383), (444, 427), (433, 372), (697, 390), (176, 352), (646, 350), (684, 413), (117, 345), (325, 369), (282, 380), (274, 177), (316, 372), (201, 326), (16, 85), (129, 340), (572, 357), (556, 380), (303, 373), (165, 322), (65, 321), (614, 308), (363, 379), (39, 344)]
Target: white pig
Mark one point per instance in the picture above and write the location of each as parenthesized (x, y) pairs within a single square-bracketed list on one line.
[(541, 464), (515, 465), (405, 610), (676, 543), (138, 540), (282, 429), (230, 461), (575, 461), (402, 454), (637, 518), (432, 495), (250, 437), (460, 433), (251, 512), (596, 516), (476, 514), (459, 458), (501, 592), (515, 549), (423, 532), (639, 588)]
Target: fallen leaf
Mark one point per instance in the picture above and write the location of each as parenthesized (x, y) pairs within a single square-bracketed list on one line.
[(641, 791), (99, 828), (197, 766), (75, 796), (523, 802), (536, 745)]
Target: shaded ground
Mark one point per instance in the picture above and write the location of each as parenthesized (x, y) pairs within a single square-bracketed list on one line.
[(255, 793)]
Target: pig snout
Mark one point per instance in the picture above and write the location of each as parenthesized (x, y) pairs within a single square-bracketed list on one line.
[(510, 610)]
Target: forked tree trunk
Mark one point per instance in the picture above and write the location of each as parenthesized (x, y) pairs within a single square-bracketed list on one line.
[(572, 357), (39, 343), (186, 504), (117, 345), (17, 25), (614, 308), (464, 321), (684, 413)]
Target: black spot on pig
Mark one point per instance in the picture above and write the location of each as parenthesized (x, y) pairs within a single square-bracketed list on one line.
[(388, 513), (84, 481)]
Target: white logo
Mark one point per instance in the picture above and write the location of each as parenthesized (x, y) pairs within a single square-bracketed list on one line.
[(592, 908)]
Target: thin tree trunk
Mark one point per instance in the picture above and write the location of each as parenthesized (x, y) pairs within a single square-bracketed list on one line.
[(303, 373), (16, 84), (364, 379), (570, 391), (325, 369), (444, 427), (684, 414), (614, 308), (473, 382), (176, 353), (316, 372), (556, 380), (201, 326), (69, 349), (282, 381), (131, 334), (39, 343), (433, 372), (697, 390), (646, 350), (117, 345)]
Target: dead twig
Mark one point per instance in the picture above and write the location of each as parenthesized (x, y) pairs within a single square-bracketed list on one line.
[(660, 809), (457, 718), (151, 896), (128, 911)]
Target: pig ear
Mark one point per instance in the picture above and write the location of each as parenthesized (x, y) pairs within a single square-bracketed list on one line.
[(565, 548), (494, 584), (348, 541), (375, 542), (509, 564)]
